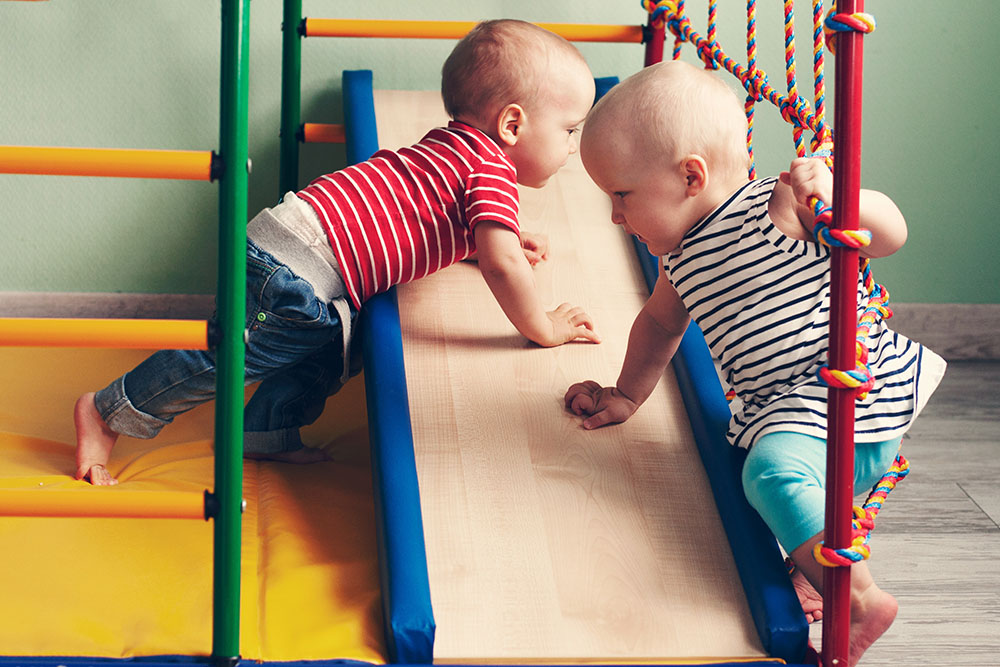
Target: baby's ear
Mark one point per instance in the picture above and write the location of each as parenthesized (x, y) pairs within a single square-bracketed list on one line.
[(694, 170), (510, 122)]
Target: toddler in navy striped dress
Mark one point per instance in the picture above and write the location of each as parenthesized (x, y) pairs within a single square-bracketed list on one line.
[(517, 94), (668, 146)]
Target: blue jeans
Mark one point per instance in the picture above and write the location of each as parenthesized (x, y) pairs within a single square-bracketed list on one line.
[(294, 349), (784, 478)]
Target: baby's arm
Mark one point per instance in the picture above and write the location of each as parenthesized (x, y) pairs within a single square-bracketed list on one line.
[(877, 212), (655, 335), (503, 264), (534, 246)]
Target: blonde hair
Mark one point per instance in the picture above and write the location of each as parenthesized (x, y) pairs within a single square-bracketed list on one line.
[(499, 62), (674, 109)]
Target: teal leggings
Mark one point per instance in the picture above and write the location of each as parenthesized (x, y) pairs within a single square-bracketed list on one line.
[(784, 478)]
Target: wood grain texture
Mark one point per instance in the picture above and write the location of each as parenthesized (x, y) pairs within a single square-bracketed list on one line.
[(103, 304), (547, 543), (956, 331)]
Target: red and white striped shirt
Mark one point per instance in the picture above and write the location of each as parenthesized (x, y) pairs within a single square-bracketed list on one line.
[(405, 214)]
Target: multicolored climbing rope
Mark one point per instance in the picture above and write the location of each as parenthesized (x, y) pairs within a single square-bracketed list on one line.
[(864, 520)]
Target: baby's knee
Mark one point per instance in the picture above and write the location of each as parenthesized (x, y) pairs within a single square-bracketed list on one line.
[(786, 488), (766, 474)]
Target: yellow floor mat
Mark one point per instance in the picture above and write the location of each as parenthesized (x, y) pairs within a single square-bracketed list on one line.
[(139, 587)]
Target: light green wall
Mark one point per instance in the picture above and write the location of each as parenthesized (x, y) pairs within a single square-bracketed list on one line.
[(144, 74)]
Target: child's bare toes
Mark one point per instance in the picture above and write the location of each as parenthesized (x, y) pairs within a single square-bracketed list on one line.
[(98, 475)]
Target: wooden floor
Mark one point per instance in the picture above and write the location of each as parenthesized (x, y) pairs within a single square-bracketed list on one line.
[(937, 541)]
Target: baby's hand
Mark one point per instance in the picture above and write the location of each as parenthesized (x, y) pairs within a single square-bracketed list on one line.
[(569, 322), (535, 246), (602, 405), (809, 177)]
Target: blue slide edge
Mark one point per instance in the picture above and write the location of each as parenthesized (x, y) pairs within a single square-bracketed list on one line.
[(406, 597)]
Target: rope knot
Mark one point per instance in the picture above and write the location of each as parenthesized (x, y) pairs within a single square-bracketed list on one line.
[(755, 82), (659, 11), (864, 520), (834, 23)]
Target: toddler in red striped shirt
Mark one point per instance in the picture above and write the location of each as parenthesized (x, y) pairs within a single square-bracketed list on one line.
[(516, 94)]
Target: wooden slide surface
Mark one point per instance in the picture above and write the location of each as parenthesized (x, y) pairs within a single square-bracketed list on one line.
[(545, 542)]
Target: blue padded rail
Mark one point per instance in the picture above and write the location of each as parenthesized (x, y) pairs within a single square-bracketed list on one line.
[(406, 596)]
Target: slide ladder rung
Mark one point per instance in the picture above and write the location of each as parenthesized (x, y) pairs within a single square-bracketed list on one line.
[(390, 28), (111, 162), (109, 333), (105, 503), (322, 133)]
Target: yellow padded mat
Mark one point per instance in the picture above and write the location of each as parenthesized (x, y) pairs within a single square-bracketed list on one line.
[(138, 587)]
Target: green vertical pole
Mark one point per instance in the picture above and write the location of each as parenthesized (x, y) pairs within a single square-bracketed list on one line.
[(291, 96), (231, 301)]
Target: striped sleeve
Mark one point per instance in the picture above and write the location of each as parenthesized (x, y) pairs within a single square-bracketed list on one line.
[(491, 194)]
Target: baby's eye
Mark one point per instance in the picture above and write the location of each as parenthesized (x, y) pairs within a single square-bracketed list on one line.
[(573, 130)]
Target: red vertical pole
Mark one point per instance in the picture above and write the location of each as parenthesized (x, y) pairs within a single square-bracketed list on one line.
[(843, 331), (654, 42)]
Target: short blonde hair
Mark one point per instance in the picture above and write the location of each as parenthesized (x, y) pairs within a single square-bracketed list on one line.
[(675, 109), (499, 62)]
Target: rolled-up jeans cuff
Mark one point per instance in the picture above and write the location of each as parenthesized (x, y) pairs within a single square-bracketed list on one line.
[(121, 416), (272, 442)]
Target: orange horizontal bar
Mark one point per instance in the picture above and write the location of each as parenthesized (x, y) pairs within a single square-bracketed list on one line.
[(574, 32), (115, 162), (122, 334), (323, 133), (102, 503)]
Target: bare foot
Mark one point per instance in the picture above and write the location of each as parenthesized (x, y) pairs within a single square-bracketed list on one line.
[(302, 455), (94, 441), (871, 615), (809, 597)]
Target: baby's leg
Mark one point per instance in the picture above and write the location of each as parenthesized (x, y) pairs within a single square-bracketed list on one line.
[(94, 441), (289, 400), (872, 609), (784, 478), (138, 405)]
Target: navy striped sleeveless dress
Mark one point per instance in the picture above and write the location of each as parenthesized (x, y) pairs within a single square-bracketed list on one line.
[(762, 301)]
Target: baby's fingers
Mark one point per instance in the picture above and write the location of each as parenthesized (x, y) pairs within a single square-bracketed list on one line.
[(580, 396), (602, 418), (586, 333), (533, 256), (582, 323)]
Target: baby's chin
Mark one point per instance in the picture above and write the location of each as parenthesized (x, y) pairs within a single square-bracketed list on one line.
[(535, 184)]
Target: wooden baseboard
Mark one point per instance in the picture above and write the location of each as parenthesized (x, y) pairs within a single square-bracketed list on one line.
[(955, 331), (100, 304)]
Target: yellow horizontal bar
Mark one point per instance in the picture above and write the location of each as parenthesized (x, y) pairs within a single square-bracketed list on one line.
[(102, 503), (574, 32), (122, 334), (323, 133), (115, 162)]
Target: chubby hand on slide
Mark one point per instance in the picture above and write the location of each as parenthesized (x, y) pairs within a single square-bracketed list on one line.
[(601, 405), (570, 323)]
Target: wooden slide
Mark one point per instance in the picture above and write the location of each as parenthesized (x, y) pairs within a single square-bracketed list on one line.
[(545, 542)]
